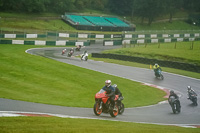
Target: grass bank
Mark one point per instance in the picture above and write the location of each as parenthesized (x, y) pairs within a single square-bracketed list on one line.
[(164, 51), (63, 125), (37, 79)]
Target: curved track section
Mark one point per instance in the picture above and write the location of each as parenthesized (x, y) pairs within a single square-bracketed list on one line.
[(157, 114)]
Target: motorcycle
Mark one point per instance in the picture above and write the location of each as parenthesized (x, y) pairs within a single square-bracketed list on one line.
[(120, 105), (193, 98), (174, 104), (84, 56), (159, 75), (78, 48), (70, 53), (63, 51), (102, 104)]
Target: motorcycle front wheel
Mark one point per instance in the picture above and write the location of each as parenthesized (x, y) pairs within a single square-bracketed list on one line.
[(97, 111), (161, 76), (114, 112)]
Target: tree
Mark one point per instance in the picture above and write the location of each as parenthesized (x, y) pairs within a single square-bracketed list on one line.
[(149, 9), (172, 6), (121, 7)]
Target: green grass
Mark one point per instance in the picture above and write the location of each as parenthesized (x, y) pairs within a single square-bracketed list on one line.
[(52, 22), (182, 53), (165, 26), (63, 125), (163, 51), (37, 79)]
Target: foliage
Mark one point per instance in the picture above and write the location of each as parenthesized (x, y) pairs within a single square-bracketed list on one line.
[(144, 9)]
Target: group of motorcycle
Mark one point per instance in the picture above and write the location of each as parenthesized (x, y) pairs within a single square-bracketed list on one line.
[(103, 104), (175, 103), (84, 56)]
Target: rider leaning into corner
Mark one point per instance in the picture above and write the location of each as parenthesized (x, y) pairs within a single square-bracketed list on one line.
[(172, 93), (110, 92), (156, 67), (191, 92)]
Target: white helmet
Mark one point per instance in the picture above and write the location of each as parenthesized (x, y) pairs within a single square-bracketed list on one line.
[(108, 83), (189, 87), (115, 85)]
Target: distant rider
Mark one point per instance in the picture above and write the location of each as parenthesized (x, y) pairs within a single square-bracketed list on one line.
[(110, 92), (63, 51), (176, 97), (78, 47), (191, 92), (156, 68)]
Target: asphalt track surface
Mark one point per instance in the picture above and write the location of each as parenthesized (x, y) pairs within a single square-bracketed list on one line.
[(155, 114)]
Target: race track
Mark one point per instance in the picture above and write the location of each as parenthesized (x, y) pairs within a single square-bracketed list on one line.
[(157, 114)]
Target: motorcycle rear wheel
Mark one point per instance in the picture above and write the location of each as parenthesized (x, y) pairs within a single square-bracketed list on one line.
[(121, 109), (97, 111)]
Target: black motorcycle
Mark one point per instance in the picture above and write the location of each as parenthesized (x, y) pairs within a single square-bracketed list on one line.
[(70, 53), (175, 104), (120, 105), (193, 98), (78, 48)]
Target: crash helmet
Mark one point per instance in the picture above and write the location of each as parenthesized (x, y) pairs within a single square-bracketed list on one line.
[(108, 83), (171, 92), (85, 52), (115, 85), (156, 65), (189, 87)]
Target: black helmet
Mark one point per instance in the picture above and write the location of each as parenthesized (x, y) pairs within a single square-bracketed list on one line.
[(171, 92)]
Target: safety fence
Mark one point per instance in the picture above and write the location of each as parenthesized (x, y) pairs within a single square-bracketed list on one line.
[(108, 39), (49, 43), (102, 36), (171, 64)]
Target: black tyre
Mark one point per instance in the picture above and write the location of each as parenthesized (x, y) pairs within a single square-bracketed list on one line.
[(173, 108), (161, 76), (97, 111), (113, 112), (121, 109)]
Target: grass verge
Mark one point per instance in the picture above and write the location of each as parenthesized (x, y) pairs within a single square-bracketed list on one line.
[(37, 79), (62, 125), (182, 53)]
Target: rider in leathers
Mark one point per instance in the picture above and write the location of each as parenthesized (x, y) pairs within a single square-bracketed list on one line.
[(175, 95), (191, 92), (156, 68), (110, 92)]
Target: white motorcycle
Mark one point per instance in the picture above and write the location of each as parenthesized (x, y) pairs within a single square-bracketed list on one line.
[(84, 56)]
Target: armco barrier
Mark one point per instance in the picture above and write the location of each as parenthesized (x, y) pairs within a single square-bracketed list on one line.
[(48, 43), (171, 64)]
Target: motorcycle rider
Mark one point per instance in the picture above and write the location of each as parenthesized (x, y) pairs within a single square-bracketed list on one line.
[(71, 51), (176, 97), (118, 92), (156, 68), (78, 47), (191, 92), (63, 51), (110, 92), (84, 56)]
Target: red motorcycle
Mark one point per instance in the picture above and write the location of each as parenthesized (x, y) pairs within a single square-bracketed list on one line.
[(102, 104)]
